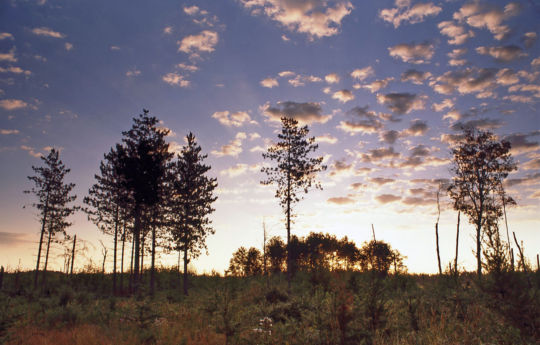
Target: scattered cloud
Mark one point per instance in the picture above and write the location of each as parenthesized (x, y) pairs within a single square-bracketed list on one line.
[(469, 80), (301, 80), (409, 14), (326, 138), (136, 73), (417, 128), (236, 119), (521, 142), (233, 148), (363, 121), (68, 46), (413, 53), (378, 84), (415, 76), (528, 39), (6, 36), (446, 103), (362, 73), (31, 151), (9, 57), (168, 30), (332, 78), (402, 103), (457, 34), (13, 238), (194, 45), (175, 79), (13, 104), (484, 123), (9, 131), (534, 62), (240, 169), (387, 198), (307, 113), (15, 70), (502, 54), (455, 55), (389, 137), (44, 31), (381, 181), (375, 155), (483, 16), (343, 96), (187, 68), (269, 82), (312, 17), (341, 200)]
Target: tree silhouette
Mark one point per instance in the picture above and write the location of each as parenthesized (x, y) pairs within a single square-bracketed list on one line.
[(480, 164), (53, 200), (108, 201), (246, 262), (191, 202), (143, 160), (295, 171), (276, 252)]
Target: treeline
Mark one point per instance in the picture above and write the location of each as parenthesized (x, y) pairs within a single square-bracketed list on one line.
[(315, 252)]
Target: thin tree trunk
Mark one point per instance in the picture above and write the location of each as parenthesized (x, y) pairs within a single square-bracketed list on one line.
[(437, 230), (122, 259), (521, 255), (44, 221), (457, 244), (47, 258), (131, 264), (115, 248), (512, 259), (73, 255), (142, 255), (185, 272), (479, 250), (437, 242), (136, 239), (153, 268)]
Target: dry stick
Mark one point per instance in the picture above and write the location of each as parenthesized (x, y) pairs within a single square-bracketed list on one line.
[(437, 230), (457, 244), (73, 255), (512, 258), (521, 256), (373, 230), (537, 262)]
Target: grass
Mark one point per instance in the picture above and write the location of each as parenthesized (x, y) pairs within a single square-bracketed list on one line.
[(322, 308)]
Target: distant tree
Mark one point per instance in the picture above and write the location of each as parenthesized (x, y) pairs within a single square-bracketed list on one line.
[(347, 253), (480, 165), (378, 256), (53, 202), (246, 262), (277, 253), (143, 160), (191, 202), (294, 172)]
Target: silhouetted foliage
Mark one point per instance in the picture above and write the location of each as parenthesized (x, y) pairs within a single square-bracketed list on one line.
[(191, 202), (53, 202), (246, 262), (480, 165), (277, 253), (295, 171), (143, 160)]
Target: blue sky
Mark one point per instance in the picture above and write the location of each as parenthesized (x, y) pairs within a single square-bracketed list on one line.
[(383, 85)]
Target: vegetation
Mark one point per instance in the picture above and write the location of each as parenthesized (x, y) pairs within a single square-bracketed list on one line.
[(334, 291)]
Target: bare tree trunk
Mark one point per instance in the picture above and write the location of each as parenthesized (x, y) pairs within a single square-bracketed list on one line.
[(153, 267), (521, 255), (44, 221), (142, 255), (136, 239), (457, 244), (46, 259), (185, 272), (115, 248), (437, 242), (122, 259), (437, 230), (479, 249), (1, 277), (73, 254), (512, 259), (131, 268)]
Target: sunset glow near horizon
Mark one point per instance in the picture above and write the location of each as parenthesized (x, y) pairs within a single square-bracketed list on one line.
[(383, 86)]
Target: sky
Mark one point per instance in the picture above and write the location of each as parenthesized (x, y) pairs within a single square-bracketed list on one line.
[(384, 87)]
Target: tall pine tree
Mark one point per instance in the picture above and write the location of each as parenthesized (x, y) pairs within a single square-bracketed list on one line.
[(294, 172), (191, 203)]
